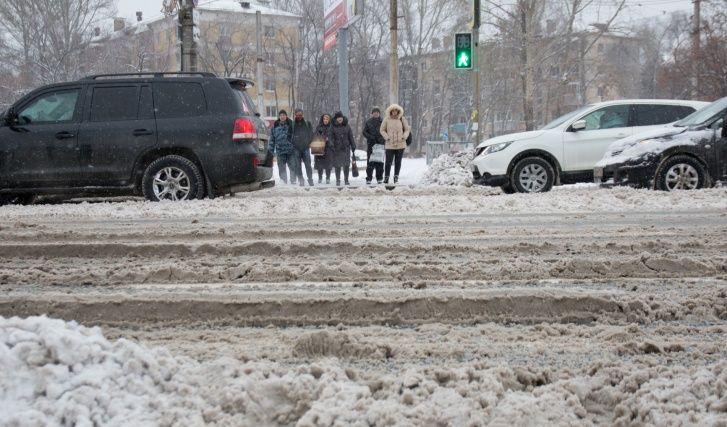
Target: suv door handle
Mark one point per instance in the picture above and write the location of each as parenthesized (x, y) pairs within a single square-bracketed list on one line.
[(65, 135), (143, 132)]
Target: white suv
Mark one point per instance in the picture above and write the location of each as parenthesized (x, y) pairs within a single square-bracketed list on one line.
[(566, 150)]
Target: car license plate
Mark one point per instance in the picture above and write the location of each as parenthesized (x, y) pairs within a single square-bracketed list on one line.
[(261, 144)]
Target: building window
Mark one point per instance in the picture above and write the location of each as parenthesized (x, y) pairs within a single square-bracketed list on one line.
[(271, 111), (270, 31), (270, 84)]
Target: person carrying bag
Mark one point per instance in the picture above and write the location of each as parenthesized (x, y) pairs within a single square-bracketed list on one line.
[(375, 147)]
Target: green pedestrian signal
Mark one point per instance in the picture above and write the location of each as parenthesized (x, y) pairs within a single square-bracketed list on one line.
[(463, 51)]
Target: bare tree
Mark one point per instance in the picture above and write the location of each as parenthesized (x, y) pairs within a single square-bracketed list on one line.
[(49, 36)]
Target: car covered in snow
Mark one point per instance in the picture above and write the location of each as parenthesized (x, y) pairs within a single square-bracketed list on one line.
[(163, 136), (688, 155), (566, 150)]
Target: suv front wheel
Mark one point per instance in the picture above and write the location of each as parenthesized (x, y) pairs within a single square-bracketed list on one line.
[(173, 178), (532, 175)]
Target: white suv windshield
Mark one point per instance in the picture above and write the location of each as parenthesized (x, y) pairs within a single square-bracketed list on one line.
[(704, 115), (564, 118)]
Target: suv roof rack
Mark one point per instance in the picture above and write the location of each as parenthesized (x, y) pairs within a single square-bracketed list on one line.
[(149, 75)]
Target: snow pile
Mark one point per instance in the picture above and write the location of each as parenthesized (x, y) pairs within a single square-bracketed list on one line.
[(53, 372), (431, 200), (451, 169)]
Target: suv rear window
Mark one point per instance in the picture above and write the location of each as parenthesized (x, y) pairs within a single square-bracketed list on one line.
[(175, 100), (244, 100), (114, 103), (652, 115)]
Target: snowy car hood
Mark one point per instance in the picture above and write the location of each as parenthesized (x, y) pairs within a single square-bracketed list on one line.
[(622, 144), (521, 136), (651, 143)]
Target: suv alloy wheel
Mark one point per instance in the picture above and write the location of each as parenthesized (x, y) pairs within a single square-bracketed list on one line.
[(172, 178), (532, 175), (680, 173)]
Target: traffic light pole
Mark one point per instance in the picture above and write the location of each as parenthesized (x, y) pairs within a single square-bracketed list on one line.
[(260, 63), (394, 54), (476, 72), (186, 32), (343, 71)]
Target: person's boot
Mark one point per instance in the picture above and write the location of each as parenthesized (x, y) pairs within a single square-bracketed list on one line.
[(396, 179), (301, 182), (379, 181), (338, 183), (328, 181), (320, 180), (386, 180), (368, 181), (310, 182), (346, 182)]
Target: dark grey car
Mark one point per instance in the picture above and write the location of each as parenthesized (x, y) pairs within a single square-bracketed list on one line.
[(164, 136)]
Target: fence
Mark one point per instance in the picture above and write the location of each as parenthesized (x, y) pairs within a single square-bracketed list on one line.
[(437, 148)]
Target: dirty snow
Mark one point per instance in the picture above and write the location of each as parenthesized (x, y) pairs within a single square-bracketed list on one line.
[(59, 373), (435, 200), (451, 169), (426, 305)]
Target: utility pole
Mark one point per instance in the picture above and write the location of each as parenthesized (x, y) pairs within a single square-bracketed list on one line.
[(186, 35), (697, 49), (260, 62), (343, 70), (476, 22), (394, 56)]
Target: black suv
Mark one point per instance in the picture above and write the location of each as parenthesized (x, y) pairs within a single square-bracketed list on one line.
[(166, 136)]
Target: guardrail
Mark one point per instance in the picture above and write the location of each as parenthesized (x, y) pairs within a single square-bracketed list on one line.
[(435, 149)]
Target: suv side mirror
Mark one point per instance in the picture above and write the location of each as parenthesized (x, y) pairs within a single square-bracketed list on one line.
[(578, 126), (11, 117)]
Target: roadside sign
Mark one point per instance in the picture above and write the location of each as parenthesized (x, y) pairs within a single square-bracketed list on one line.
[(338, 14)]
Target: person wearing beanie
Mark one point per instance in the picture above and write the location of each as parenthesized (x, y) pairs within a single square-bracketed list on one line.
[(372, 133), (302, 138), (281, 146), (344, 147)]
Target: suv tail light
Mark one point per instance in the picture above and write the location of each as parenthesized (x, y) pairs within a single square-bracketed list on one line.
[(244, 130)]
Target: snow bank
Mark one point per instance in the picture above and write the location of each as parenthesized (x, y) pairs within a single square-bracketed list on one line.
[(58, 373), (431, 200), (450, 169)]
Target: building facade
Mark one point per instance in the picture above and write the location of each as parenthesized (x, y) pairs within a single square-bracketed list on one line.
[(226, 45)]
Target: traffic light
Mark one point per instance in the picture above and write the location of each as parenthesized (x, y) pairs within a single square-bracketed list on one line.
[(463, 51)]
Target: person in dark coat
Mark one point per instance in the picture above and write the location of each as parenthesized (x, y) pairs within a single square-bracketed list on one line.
[(344, 147), (281, 146), (302, 138), (372, 133), (324, 163)]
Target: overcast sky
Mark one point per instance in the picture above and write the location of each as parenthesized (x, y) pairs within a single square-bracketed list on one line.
[(636, 8)]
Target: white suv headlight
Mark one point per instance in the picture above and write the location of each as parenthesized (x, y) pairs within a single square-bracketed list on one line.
[(493, 148)]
